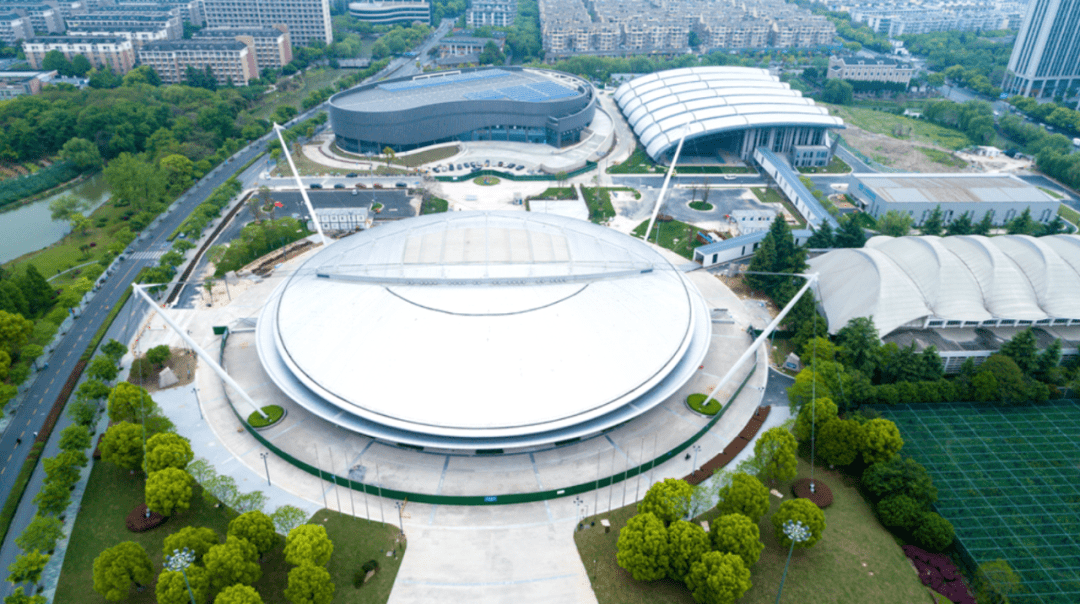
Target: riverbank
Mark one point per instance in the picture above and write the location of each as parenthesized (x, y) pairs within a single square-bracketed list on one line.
[(49, 192)]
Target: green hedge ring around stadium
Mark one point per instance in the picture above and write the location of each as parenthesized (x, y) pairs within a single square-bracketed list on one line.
[(273, 413), (701, 206), (694, 401), (486, 181)]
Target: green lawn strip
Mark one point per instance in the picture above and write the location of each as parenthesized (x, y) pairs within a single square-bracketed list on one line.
[(766, 195), (599, 203), (11, 505), (111, 493), (1052, 193), (673, 235), (836, 166), (695, 402), (640, 163), (273, 414), (435, 205), (831, 571), (891, 124), (307, 167), (413, 160), (1069, 214), (557, 193), (941, 157)]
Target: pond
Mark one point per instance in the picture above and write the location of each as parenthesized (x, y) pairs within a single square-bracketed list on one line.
[(31, 228)]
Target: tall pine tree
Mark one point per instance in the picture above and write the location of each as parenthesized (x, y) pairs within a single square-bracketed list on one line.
[(933, 224)]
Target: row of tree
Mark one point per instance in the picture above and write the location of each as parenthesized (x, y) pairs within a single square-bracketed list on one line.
[(898, 224)]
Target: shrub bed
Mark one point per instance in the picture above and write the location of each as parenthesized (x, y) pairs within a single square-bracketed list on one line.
[(694, 401), (701, 206), (274, 413), (937, 572)]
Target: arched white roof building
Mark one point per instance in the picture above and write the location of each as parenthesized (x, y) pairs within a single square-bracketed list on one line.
[(483, 330), (959, 281), (712, 101)]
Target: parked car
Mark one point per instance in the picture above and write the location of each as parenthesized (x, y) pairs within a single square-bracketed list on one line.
[(376, 185), (351, 175), (500, 164), (339, 186), (729, 177), (520, 167), (361, 185), (316, 185), (401, 185)]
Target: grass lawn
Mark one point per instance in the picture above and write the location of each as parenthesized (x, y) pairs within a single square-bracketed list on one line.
[(694, 401), (416, 159), (836, 166), (857, 561), (307, 167), (66, 253), (112, 493), (1052, 193), (941, 157), (435, 205), (673, 235), (900, 127), (701, 206), (599, 202), (313, 80), (557, 193), (767, 195), (640, 163), (1069, 214)]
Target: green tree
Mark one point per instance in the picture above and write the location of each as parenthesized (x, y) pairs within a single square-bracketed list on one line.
[(894, 223), (984, 225), (129, 403), (288, 517), (171, 588), (178, 171), (668, 500), (813, 417), (65, 206), (93, 390), (232, 562), (718, 578), (840, 441), (900, 476), (881, 441), (27, 567), (159, 355), (257, 528), (54, 60), (687, 542), (238, 594), (64, 468), (18, 596), (114, 350), (1023, 350), (308, 544), (839, 92), (119, 567), (799, 510), (198, 539), (899, 511), (41, 534), (168, 491), (102, 368), (744, 495), (53, 498), (80, 65), (932, 532), (122, 444), (167, 450), (388, 153), (309, 584), (74, 438), (763, 262), (14, 332), (775, 452), (934, 224), (995, 581), (739, 535), (1022, 224), (822, 238), (850, 234), (84, 154), (491, 55), (642, 548), (960, 226)]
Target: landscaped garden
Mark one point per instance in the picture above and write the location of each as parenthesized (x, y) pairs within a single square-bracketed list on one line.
[(671, 234), (1007, 479), (696, 402), (701, 206), (486, 181), (640, 163)]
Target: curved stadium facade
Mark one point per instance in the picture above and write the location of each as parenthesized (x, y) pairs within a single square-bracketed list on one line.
[(728, 110), (484, 330), (506, 104), (391, 12)]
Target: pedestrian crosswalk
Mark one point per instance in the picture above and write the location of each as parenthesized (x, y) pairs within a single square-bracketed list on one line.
[(146, 255)]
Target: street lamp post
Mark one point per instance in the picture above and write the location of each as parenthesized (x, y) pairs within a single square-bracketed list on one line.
[(696, 449), (178, 561), (401, 522), (797, 532), (198, 406), (266, 465)]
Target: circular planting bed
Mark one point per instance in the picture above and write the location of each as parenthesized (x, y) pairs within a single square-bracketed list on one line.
[(821, 497), (273, 413), (701, 206), (137, 521), (694, 401), (486, 181)]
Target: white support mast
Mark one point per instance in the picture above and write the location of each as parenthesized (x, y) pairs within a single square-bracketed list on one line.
[(299, 183), (667, 179), (206, 357)]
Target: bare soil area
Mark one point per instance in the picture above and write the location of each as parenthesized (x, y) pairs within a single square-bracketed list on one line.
[(895, 153)]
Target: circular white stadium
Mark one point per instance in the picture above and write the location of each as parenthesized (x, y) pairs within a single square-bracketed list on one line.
[(483, 330)]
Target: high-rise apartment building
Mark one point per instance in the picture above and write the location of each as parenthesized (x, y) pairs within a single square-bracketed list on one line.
[(307, 20), (15, 27), (269, 44), (116, 53), (1045, 60), (230, 61), (497, 13)]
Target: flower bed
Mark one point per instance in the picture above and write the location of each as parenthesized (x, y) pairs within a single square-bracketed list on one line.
[(137, 521), (486, 181), (938, 573), (821, 497)]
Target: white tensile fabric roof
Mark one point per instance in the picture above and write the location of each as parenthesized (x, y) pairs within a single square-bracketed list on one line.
[(962, 278), (709, 100)]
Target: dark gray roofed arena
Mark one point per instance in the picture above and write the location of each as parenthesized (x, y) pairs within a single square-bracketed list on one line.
[(505, 103)]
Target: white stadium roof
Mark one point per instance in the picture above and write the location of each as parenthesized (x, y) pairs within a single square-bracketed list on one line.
[(710, 100), (969, 279), (483, 330)]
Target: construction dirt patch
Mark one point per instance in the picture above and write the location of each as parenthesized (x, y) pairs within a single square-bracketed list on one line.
[(901, 154)]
